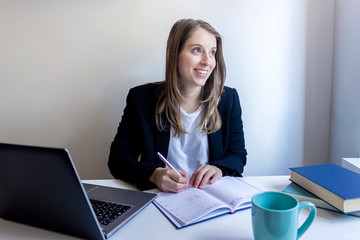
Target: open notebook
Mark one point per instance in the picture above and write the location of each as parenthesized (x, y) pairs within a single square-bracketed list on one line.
[(194, 205)]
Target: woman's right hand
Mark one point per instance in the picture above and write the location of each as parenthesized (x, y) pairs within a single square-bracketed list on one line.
[(168, 181)]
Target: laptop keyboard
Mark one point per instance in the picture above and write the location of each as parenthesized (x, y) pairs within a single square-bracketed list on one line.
[(107, 212)]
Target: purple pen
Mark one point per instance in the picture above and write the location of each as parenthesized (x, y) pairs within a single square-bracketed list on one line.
[(170, 166)]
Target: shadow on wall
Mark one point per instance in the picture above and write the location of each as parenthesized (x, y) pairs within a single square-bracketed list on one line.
[(318, 82)]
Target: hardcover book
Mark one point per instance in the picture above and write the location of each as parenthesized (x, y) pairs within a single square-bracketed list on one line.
[(335, 185), (302, 194)]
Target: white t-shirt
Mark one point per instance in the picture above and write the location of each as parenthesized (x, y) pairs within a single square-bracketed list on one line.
[(187, 151)]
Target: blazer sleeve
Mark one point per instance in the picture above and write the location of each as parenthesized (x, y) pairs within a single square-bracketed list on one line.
[(134, 140), (227, 146)]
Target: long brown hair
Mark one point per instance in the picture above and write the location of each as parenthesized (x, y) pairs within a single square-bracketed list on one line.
[(170, 96)]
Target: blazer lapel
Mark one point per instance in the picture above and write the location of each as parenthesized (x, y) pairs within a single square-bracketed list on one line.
[(162, 141)]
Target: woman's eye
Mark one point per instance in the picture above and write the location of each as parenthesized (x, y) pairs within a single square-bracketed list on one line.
[(213, 53), (197, 50)]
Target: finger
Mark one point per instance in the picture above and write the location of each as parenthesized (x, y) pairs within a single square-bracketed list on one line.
[(211, 176), (197, 176), (206, 174), (206, 177), (179, 179), (216, 176), (163, 179), (177, 187), (174, 182), (169, 185), (184, 174)]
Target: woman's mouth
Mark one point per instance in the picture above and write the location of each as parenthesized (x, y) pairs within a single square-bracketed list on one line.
[(202, 72)]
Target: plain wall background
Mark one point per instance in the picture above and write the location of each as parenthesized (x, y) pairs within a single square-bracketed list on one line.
[(345, 117), (66, 68)]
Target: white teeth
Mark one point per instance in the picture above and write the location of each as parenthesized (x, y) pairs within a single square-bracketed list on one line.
[(202, 71)]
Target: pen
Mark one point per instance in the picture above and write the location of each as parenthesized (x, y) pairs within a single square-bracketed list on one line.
[(170, 166)]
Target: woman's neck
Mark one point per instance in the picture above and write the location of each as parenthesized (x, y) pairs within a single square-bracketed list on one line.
[(192, 99)]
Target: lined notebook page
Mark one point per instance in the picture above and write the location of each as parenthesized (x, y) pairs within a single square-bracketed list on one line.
[(193, 203), (188, 205), (231, 191)]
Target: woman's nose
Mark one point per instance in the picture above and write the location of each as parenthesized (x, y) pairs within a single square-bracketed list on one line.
[(205, 59)]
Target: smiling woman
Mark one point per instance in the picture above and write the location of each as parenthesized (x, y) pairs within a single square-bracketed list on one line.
[(196, 63), (190, 118)]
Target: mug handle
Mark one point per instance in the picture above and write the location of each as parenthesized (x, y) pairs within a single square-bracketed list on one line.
[(309, 219)]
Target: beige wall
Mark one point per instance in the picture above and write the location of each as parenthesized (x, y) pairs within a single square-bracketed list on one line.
[(345, 124), (66, 67)]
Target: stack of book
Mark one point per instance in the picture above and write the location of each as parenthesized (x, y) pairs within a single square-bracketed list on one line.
[(328, 186)]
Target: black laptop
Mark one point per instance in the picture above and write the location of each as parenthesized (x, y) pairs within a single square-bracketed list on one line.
[(40, 186)]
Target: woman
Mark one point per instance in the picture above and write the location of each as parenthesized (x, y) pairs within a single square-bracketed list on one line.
[(190, 118)]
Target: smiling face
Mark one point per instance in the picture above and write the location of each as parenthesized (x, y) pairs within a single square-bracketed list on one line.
[(196, 61)]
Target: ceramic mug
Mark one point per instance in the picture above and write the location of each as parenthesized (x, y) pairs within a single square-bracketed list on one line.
[(275, 215)]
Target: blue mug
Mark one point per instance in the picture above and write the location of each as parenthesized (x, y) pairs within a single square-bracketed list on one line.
[(275, 216)]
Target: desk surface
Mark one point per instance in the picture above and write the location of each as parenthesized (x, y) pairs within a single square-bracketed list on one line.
[(151, 224)]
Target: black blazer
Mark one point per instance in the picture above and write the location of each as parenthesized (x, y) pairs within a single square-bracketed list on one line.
[(133, 152)]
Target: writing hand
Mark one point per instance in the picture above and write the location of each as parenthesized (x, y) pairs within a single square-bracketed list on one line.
[(167, 180), (205, 174)]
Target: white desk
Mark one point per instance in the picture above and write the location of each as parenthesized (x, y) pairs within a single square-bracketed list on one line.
[(151, 224)]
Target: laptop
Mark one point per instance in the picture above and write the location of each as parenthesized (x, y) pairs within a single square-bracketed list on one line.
[(40, 186)]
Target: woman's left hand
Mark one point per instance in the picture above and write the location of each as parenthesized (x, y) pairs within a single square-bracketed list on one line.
[(205, 174)]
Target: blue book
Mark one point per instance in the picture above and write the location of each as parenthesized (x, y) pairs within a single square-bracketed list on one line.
[(335, 185), (303, 195)]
